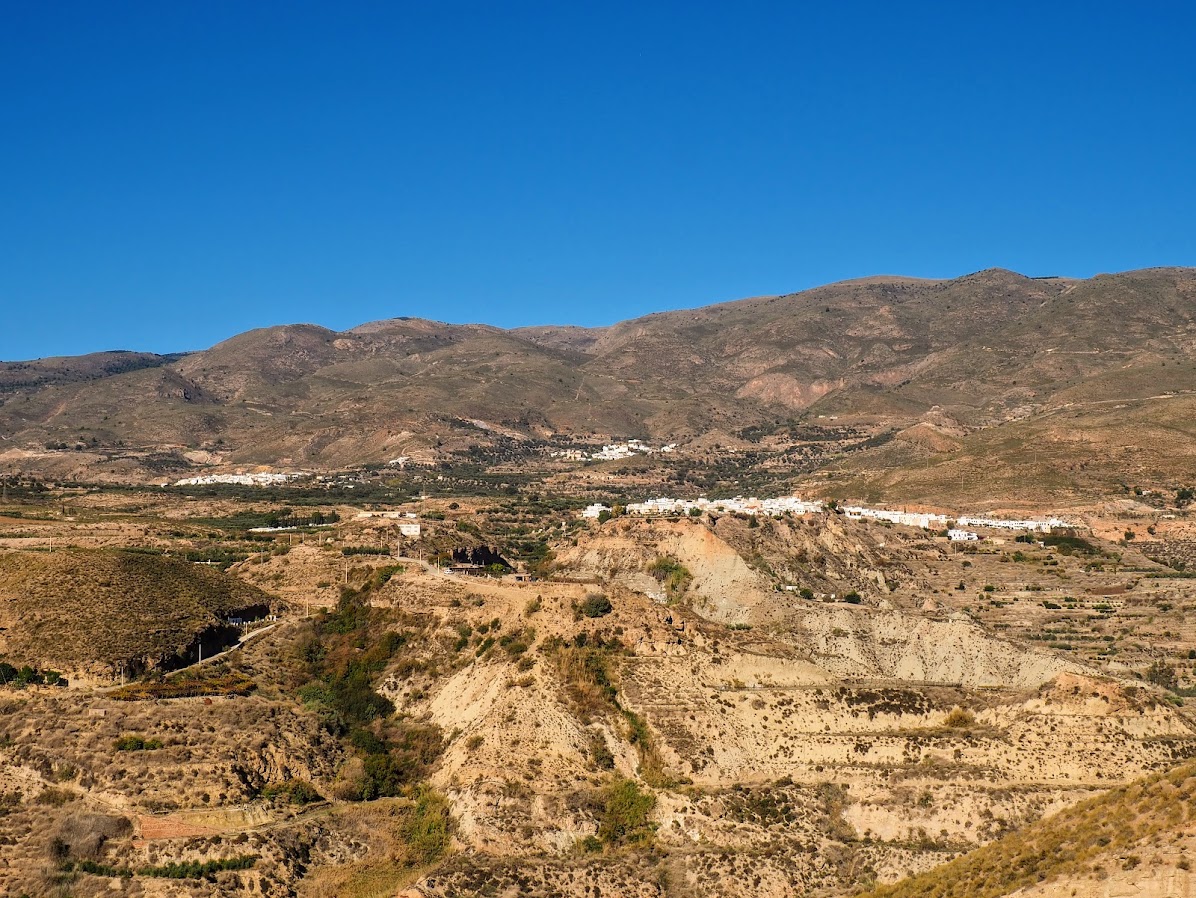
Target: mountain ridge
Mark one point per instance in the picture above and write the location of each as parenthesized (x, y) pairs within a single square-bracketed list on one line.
[(984, 350)]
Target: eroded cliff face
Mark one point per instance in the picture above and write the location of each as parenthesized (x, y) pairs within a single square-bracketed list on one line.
[(740, 573), (885, 636)]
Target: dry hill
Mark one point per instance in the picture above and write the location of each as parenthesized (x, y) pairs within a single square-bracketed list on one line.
[(105, 613)]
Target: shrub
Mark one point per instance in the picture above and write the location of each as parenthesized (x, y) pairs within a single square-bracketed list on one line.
[(55, 797), (293, 792), (595, 605), (198, 869), (428, 828), (600, 754), (136, 743), (672, 573), (1162, 674), (959, 718), (625, 814)]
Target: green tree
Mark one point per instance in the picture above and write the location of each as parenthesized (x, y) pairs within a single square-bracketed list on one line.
[(625, 814)]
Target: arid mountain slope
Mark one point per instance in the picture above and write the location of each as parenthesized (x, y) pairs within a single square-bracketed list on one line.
[(885, 354)]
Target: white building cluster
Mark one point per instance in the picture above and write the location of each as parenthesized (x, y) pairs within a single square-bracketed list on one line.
[(794, 505), (999, 524), (753, 506), (905, 518), (264, 478), (613, 451)]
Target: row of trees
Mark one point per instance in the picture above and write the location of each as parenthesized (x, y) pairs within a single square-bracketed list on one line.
[(21, 677)]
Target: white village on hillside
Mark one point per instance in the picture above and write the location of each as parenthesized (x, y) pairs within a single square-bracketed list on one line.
[(260, 478), (612, 451), (782, 505)]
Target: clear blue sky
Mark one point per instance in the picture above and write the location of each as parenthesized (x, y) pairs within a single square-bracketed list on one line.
[(172, 173)]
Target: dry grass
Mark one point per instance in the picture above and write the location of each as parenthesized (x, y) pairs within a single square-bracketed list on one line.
[(1067, 844), (186, 687)]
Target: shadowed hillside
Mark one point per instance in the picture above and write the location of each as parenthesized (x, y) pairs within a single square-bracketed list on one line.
[(103, 612)]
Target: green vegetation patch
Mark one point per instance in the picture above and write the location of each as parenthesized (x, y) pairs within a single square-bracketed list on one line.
[(672, 574), (136, 743), (593, 605), (26, 675), (625, 812), (584, 668), (174, 870), (298, 792), (342, 654)]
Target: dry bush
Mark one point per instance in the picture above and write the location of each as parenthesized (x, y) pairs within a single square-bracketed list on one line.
[(81, 835), (959, 718)]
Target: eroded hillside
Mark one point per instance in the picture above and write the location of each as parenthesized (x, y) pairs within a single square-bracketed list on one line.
[(674, 707)]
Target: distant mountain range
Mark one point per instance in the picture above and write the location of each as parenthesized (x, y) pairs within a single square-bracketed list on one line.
[(961, 370)]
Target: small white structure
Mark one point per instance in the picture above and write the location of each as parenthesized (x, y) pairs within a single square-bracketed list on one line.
[(962, 536), (593, 511), (409, 528)]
